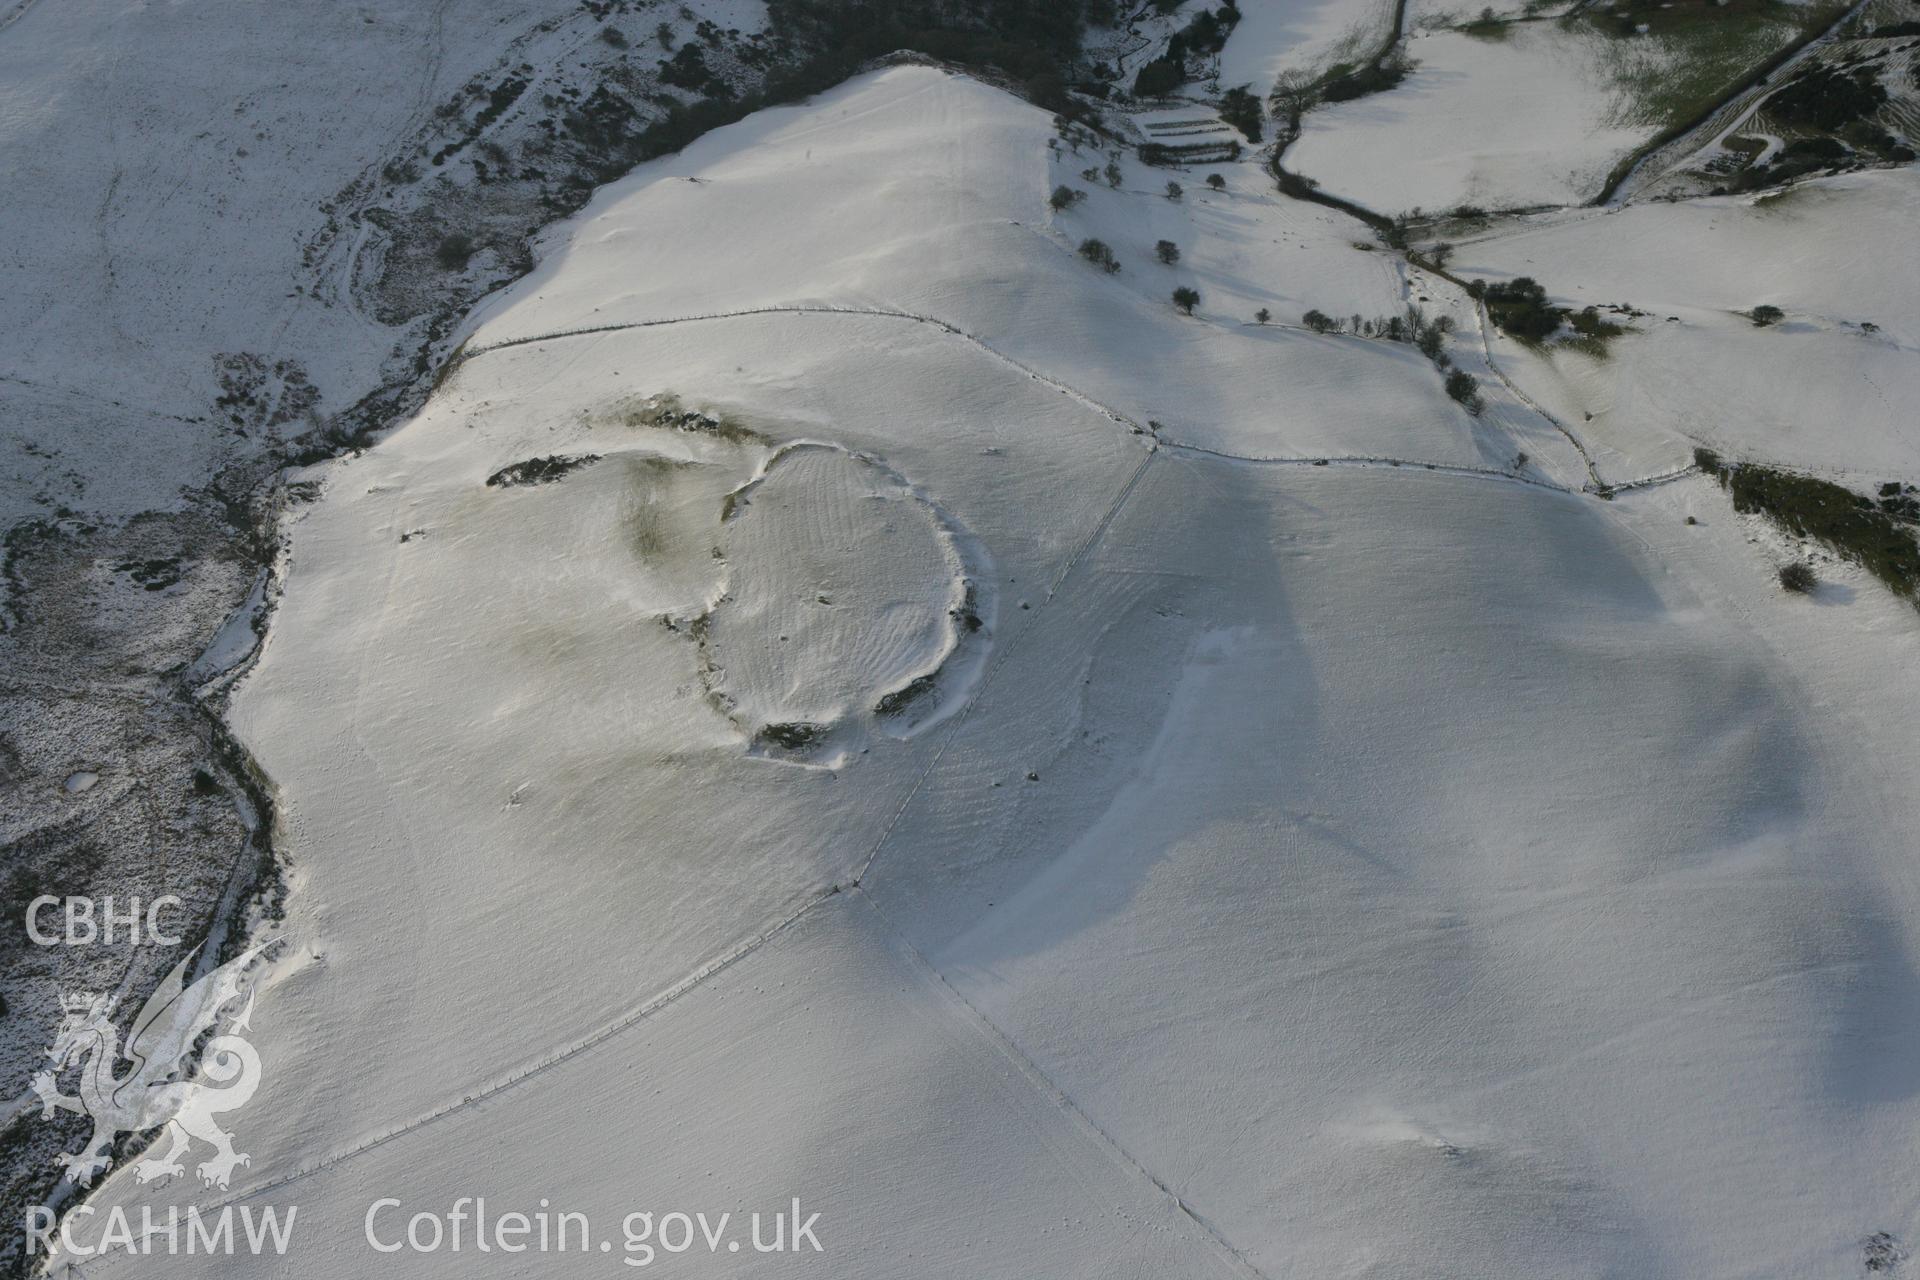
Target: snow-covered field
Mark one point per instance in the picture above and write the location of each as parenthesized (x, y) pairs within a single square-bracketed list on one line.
[(1325, 844), (1282, 37), (1830, 388), (1535, 110), (1530, 119)]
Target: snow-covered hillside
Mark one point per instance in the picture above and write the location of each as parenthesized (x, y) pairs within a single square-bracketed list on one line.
[(922, 230), (162, 171), (236, 235), (1324, 842)]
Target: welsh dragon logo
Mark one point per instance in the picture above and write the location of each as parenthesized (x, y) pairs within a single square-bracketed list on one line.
[(157, 1090)]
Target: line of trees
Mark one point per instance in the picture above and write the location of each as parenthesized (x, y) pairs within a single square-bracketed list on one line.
[(1426, 333)]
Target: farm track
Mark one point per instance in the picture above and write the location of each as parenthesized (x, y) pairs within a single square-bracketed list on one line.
[(1483, 322)]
